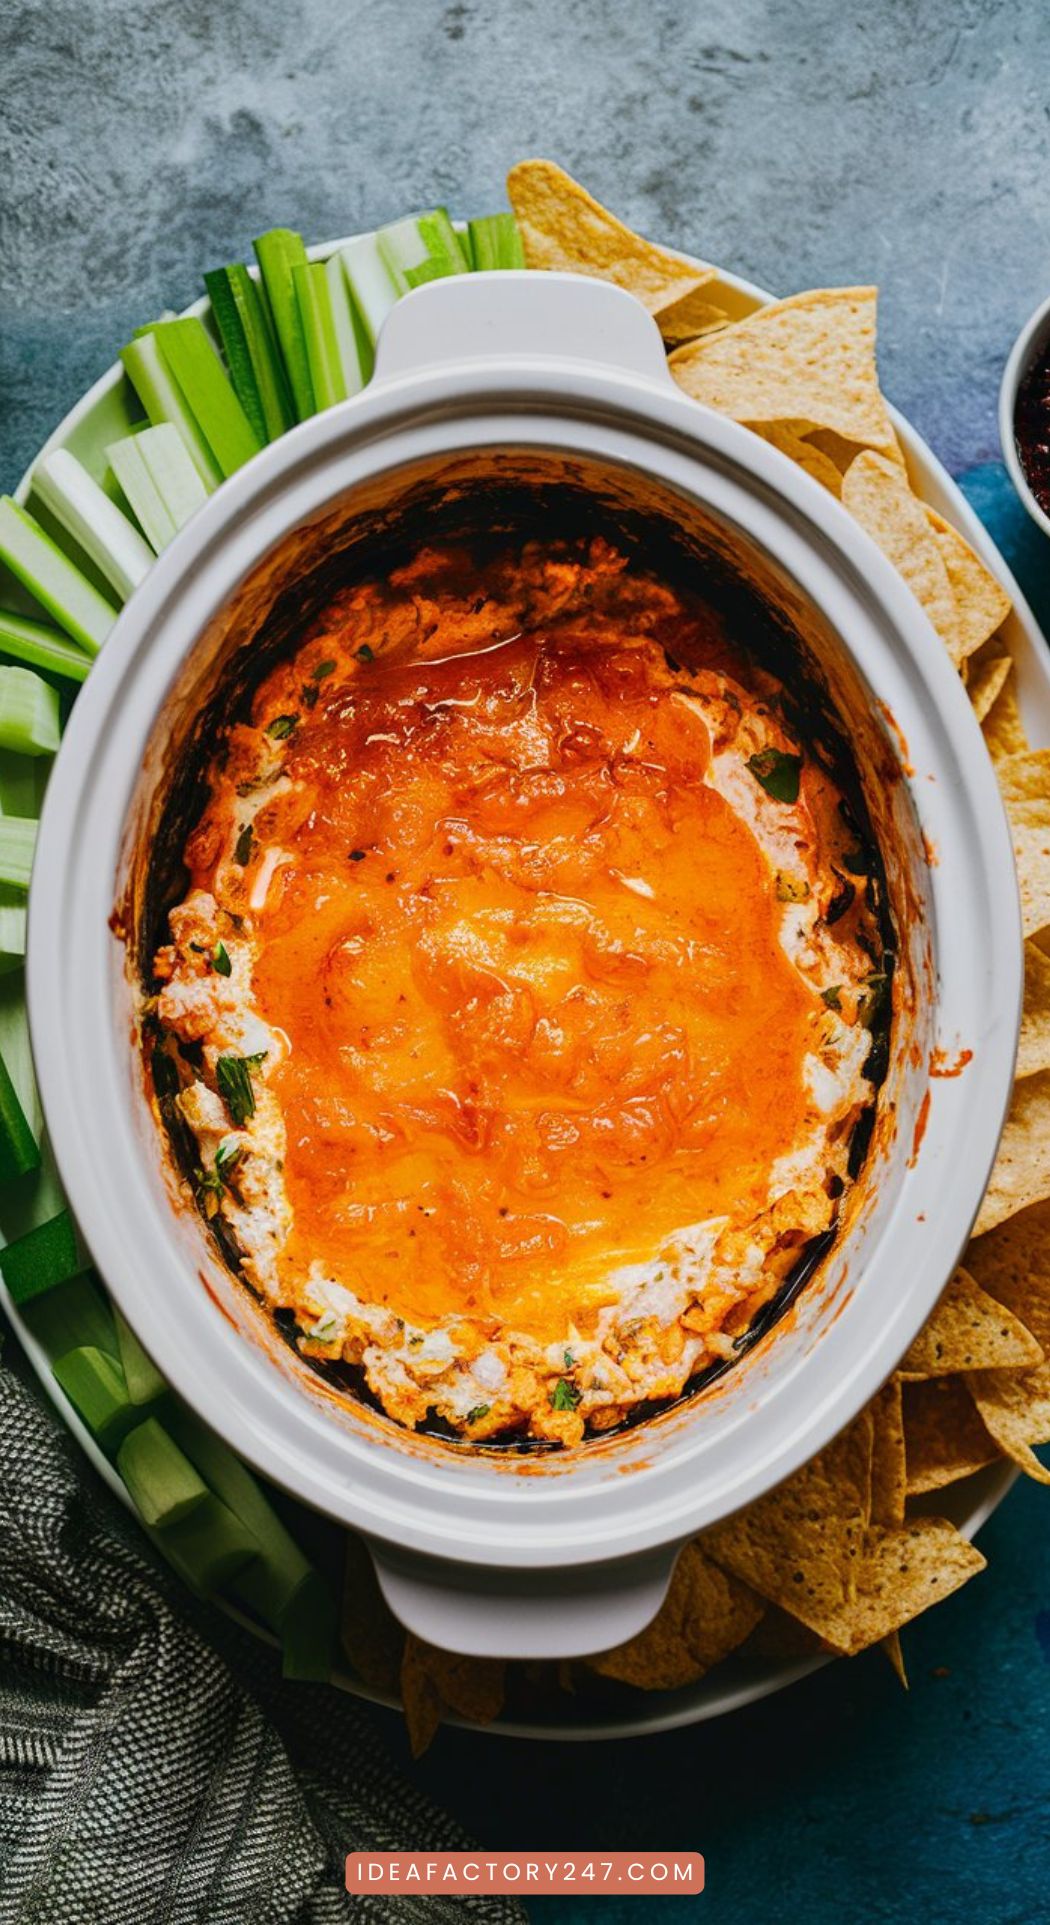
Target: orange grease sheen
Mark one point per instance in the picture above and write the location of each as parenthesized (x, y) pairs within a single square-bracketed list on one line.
[(510, 1069)]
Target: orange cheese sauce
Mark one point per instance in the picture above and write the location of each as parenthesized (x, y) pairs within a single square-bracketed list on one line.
[(528, 967)]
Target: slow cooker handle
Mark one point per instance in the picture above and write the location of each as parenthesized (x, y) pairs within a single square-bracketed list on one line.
[(485, 1612), (513, 315)]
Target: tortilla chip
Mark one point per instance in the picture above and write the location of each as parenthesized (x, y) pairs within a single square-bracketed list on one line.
[(980, 598), (969, 1330), (371, 1635), (433, 1682), (1033, 1052), (1002, 727), (704, 1617), (780, 1636), (985, 682), (687, 319), (1014, 1406), (1022, 1168), (1013, 1264), (902, 1573), (800, 1546), (892, 1647), (810, 359), (842, 452), (889, 1474), (878, 496), (944, 1437), (565, 228), (785, 435), (1024, 777)]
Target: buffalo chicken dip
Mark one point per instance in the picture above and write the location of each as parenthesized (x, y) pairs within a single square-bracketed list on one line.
[(519, 1006)]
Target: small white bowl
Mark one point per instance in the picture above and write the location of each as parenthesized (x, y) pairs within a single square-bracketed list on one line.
[(1030, 342)]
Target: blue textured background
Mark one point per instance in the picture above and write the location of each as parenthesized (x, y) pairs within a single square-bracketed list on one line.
[(904, 142)]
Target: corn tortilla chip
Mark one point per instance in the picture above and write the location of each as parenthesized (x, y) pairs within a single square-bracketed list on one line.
[(433, 1682), (985, 682), (786, 436), (808, 359), (843, 452), (878, 496), (565, 228), (371, 1635), (1033, 1053), (704, 1617), (889, 1474), (892, 1647), (1013, 1264), (944, 1436), (1024, 777), (980, 599), (1022, 1168), (903, 1572), (778, 1635), (1014, 1406), (969, 1330), (687, 319), (800, 1546), (1002, 727)]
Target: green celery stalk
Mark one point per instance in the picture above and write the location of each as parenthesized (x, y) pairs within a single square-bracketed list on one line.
[(156, 472), (193, 363), (12, 933), (425, 247), (19, 1150), (30, 716), (251, 351), (73, 1313), (308, 1633), (495, 242), (23, 780), (165, 402), (53, 579), (208, 1547), (94, 1384), (318, 324), (278, 252), (43, 1258), (144, 1381), (81, 507), (356, 354), (267, 1585), (41, 647), (370, 282), (17, 844), (161, 1481), (141, 492)]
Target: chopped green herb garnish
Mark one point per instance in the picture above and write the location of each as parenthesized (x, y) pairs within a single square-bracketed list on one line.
[(259, 1057), (308, 695), (777, 773), (570, 1361), (357, 855), (213, 1181), (479, 1411), (227, 1154), (833, 996), (281, 727), (242, 854), (322, 670), (365, 654), (233, 1075), (565, 1396), (220, 960)]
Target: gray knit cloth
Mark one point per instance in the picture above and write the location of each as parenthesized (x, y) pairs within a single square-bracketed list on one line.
[(141, 1778)]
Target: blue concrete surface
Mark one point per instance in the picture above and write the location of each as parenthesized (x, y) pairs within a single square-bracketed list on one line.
[(905, 142)]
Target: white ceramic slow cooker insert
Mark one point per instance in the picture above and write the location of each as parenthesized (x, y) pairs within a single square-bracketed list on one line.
[(564, 381)]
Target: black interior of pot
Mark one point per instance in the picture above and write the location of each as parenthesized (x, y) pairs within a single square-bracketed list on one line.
[(481, 504)]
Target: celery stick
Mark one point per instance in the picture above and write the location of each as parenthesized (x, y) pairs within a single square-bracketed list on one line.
[(53, 579), (19, 1150), (356, 354), (208, 1547), (29, 713), (370, 281), (23, 780), (268, 1585), (251, 350), (425, 247), (80, 506), (74, 1313), (318, 324), (17, 843), (277, 253), (94, 1384), (172, 472), (41, 647), (308, 1633), (164, 401), (12, 935), (42, 1258), (161, 1482), (193, 363), (144, 1381), (140, 491), (495, 241)]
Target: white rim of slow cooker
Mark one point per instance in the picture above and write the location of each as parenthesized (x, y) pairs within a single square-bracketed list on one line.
[(466, 1507)]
